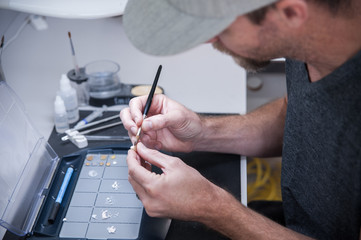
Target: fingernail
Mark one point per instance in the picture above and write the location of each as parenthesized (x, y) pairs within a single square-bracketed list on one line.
[(147, 125)]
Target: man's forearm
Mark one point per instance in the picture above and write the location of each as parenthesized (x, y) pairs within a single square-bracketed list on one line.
[(259, 133), (229, 217)]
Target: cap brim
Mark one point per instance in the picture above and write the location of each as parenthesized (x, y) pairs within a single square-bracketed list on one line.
[(157, 28)]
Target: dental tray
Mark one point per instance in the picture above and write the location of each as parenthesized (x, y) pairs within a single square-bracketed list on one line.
[(98, 202)]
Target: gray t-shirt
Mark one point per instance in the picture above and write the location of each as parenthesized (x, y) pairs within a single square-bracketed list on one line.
[(321, 166)]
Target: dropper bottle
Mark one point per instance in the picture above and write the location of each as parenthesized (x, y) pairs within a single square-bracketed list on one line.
[(60, 115), (69, 96)]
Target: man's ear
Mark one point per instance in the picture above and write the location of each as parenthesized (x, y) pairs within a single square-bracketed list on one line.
[(294, 12)]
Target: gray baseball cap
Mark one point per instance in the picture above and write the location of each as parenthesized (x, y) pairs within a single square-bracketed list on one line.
[(168, 27)]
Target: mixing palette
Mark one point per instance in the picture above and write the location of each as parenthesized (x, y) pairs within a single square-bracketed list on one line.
[(104, 204)]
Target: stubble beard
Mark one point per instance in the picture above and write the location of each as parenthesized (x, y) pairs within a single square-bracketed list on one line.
[(250, 65)]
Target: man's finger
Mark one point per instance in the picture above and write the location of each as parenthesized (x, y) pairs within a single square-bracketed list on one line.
[(161, 121), (136, 171), (154, 157), (128, 122), (136, 106), (141, 193)]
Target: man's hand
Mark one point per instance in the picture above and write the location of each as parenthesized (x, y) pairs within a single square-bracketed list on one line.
[(169, 125), (179, 192)]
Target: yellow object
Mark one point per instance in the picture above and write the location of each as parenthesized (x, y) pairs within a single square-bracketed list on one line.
[(263, 181), (144, 90)]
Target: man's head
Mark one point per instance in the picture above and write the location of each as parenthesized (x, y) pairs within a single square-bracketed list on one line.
[(252, 32)]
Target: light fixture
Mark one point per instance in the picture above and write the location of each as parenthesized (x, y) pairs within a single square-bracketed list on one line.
[(74, 9)]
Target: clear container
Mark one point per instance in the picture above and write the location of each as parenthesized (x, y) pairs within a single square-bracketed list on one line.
[(103, 79), (27, 165)]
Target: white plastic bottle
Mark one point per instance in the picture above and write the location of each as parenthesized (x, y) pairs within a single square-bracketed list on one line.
[(60, 115), (68, 94)]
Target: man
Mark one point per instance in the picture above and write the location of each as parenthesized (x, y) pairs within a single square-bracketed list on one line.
[(317, 128)]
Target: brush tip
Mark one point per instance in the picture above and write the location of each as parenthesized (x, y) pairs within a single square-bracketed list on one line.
[(69, 34)]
